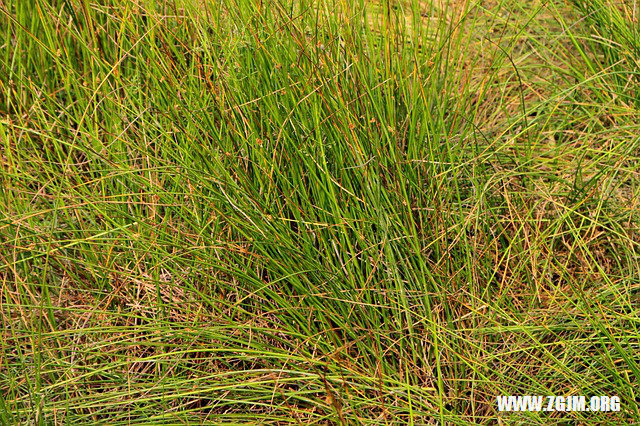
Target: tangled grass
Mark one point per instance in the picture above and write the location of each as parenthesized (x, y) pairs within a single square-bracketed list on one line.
[(319, 211)]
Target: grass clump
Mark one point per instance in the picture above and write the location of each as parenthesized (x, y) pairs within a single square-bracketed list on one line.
[(317, 211)]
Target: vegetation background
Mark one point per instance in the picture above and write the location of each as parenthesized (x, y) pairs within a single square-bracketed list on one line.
[(322, 211)]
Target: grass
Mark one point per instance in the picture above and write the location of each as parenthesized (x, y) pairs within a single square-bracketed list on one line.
[(317, 212)]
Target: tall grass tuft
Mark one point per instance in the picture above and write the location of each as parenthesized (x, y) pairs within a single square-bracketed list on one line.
[(321, 211)]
